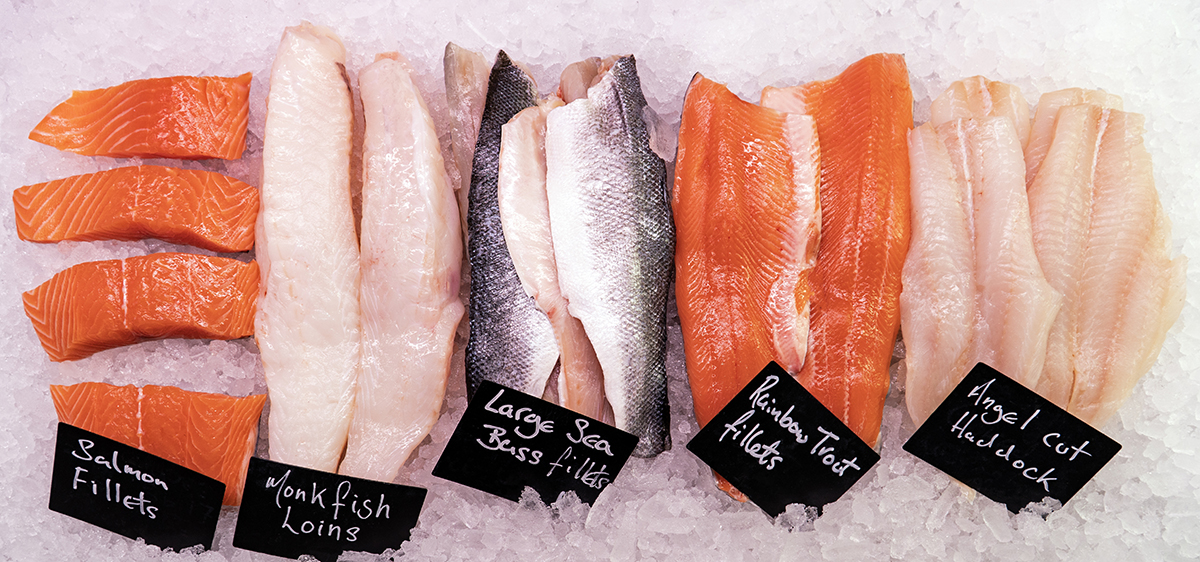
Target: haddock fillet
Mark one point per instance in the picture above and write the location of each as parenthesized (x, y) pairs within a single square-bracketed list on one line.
[(863, 117), (1102, 234), (747, 223), (212, 434)]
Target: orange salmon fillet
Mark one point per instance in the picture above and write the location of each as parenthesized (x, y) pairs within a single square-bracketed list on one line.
[(863, 117), (198, 208), (99, 305), (189, 117), (212, 434)]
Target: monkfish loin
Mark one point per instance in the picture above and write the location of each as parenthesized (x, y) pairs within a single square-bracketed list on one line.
[(308, 322), (411, 248)]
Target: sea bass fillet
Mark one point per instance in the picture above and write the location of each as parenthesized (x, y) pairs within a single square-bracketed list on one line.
[(195, 207), (512, 341), (189, 117), (863, 116), (610, 218), (212, 434), (411, 252), (747, 217), (307, 325), (525, 216), (1104, 241), (99, 305)]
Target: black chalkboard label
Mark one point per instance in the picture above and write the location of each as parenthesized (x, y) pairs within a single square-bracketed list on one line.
[(508, 440), (131, 492), (779, 445), (1008, 443), (290, 511)]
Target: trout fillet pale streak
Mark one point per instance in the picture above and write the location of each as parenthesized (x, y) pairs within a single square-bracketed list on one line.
[(511, 342), (411, 253), (525, 215), (863, 116), (610, 217), (308, 313)]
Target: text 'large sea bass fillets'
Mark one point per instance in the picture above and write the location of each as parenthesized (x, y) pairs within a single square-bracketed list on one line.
[(307, 326), (411, 253), (863, 116), (614, 243), (511, 342), (748, 222)]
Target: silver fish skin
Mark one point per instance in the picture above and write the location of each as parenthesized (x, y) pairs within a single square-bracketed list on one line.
[(512, 342), (614, 242)]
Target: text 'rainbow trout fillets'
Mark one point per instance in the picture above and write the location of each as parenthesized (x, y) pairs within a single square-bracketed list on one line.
[(614, 242), (512, 342)]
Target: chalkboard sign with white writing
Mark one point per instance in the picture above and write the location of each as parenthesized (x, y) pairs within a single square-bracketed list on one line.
[(290, 511), (1010, 444), (131, 492), (508, 440), (779, 445)]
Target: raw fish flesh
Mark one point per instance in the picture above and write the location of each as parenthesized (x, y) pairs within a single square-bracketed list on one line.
[(1042, 132), (862, 116), (99, 305), (411, 252), (974, 290), (1104, 240), (512, 341), (189, 117), (610, 218), (466, 74), (979, 97), (212, 434), (525, 216), (747, 222), (937, 306), (307, 325), (198, 208)]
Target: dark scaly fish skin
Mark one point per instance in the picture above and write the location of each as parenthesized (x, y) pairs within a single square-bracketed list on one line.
[(615, 244), (512, 342)]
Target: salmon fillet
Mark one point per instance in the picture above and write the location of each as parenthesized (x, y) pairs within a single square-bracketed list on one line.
[(193, 207), (747, 223), (99, 305), (212, 434), (863, 116), (188, 117)]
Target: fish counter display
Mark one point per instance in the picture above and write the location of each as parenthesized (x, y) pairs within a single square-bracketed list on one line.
[(569, 205)]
